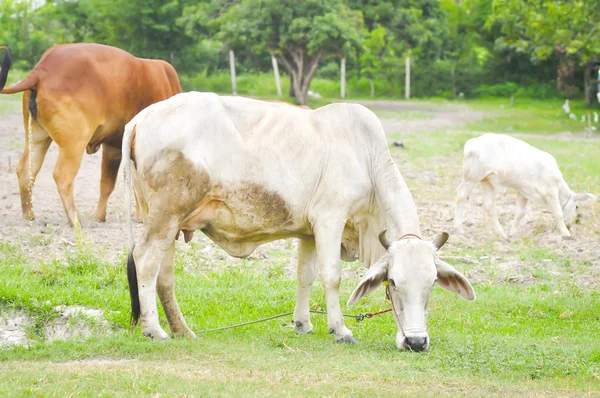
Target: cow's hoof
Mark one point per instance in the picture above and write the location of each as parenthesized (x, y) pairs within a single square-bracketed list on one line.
[(156, 334), (99, 216), (347, 339), (568, 237), (185, 333), (303, 327)]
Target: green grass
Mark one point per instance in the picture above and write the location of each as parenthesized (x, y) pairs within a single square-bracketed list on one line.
[(519, 339), (530, 116)]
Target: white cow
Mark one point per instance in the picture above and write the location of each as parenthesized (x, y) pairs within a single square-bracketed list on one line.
[(246, 172), (500, 162)]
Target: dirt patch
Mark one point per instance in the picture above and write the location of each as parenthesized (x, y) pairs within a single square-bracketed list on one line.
[(13, 329), (76, 322), (70, 322)]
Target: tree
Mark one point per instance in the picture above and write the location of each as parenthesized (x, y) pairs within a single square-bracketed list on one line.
[(297, 33), (568, 30), (370, 58), (465, 47)]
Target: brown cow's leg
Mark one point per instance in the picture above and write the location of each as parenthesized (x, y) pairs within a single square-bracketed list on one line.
[(166, 292), (111, 159), (30, 163), (67, 166)]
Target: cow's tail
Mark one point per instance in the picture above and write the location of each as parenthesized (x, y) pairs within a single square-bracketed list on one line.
[(26, 84), (131, 271)]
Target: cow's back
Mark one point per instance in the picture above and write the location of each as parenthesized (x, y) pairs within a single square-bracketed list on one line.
[(107, 84), (309, 158), (514, 163)]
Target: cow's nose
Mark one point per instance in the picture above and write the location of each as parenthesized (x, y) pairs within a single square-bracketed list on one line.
[(416, 343)]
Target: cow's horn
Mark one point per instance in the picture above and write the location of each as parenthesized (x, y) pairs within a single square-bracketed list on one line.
[(440, 240), (384, 240)]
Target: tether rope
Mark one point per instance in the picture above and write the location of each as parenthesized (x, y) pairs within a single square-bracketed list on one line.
[(358, 318)]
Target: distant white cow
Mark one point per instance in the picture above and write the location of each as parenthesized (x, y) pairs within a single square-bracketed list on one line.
[(500, 162), (246, 172)]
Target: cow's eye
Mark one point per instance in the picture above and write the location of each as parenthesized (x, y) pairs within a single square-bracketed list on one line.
[(392, 283)]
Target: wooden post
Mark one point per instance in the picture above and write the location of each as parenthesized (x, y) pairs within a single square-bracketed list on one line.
[(276, 72), (232, 69), (407, 83), (343, 78)]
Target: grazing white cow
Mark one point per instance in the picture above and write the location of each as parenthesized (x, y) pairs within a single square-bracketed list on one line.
[(500, 162), (246, 172)]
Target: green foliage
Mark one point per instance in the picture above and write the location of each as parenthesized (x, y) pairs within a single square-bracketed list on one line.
[(542, 27), (298, 34), (545, 28)]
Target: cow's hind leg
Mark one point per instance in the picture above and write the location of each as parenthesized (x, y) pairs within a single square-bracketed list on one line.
[(464, 190), (519, 213), (166, 292), (111, 159), (328, 239), (36, 145), (65, 171), (489, 202), (307, 271), (148, 255)]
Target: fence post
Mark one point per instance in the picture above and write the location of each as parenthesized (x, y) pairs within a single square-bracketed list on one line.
[(232, 69), (343, 78), (276, 72), (407, 83)]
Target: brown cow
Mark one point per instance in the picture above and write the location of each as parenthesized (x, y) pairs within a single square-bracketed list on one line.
[(81, 96)]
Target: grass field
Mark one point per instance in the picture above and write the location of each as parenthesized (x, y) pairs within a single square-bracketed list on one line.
[(538, 339), (531, 340)]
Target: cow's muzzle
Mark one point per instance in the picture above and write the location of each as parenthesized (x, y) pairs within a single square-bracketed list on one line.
[(416, 343), (413, 343)]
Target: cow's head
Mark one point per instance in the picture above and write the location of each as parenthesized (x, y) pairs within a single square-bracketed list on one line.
[(411, 268), (571, 207)]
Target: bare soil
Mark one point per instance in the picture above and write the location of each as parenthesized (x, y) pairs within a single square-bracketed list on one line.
[(485, 257)]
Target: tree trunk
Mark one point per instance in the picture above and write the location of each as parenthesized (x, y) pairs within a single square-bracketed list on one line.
[(301, 69), (372, 86), (565, 71), (291, 90)]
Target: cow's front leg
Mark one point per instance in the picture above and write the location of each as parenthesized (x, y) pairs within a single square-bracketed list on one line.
[(307, 270), (328, 239), (553, 202), (148, 256), (166, 293)]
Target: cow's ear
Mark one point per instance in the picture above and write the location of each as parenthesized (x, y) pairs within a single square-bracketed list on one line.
[(584, 197), (371, 281), (452, 280)]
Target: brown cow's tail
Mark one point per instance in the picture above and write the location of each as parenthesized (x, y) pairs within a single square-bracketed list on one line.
[(131, 270), (26, 84)]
